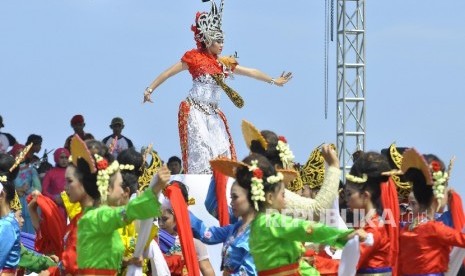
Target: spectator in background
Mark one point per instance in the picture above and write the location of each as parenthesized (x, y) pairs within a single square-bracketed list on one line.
[(6, 140), (36, 141), (175, 165), (26, 182), (116, 142), (54, 180), (78, 124)]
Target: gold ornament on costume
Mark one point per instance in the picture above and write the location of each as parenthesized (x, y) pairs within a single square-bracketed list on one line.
[(15, 204), (21, 156), (232, 94), (191, 201), (251, 133), (149, 172)]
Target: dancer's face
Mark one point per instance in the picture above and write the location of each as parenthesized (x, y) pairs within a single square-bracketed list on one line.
[(19, 218), (413, 204), (167, 221), (74, 187), (354, 198), (240, 204), (216, 48), (276, 199)]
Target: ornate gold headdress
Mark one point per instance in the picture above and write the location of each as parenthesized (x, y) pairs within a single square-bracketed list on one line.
[(15, 204), (403, 187), (150, 171), (21, 156), (313, 172)]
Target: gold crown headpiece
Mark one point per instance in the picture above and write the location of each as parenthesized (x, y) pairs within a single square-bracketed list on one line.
[(403, 187), (15, 204), (148, 172), (313, 172)]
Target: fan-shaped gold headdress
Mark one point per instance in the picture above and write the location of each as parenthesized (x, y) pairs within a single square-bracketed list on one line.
[(413, 159), (150, 171), (79, 150), (251, 133)]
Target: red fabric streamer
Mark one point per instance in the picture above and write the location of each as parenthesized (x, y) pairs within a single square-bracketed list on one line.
[(49, 236), (456, 211), (183, 226), (221, 182), (390, 202)]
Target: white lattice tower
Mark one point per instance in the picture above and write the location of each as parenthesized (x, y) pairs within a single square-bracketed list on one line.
[(351, 80)]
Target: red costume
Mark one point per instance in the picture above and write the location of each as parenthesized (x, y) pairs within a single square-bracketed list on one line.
[(425, 247)]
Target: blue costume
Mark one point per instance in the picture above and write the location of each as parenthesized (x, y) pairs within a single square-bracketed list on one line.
[(236, 256), (10, 244)]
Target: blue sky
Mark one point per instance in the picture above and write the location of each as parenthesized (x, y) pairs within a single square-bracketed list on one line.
[(95, 57)]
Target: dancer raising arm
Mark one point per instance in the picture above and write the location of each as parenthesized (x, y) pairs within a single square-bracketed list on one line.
[(203, 128)]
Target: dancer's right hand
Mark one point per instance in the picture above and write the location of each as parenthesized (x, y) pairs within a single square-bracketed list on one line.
[(330, 156), (163, 180)]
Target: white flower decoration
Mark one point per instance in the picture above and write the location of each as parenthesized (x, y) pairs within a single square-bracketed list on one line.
[(275, 178), (126, 167), (285, 153), (103, 177), (439, 183), (3, 178)]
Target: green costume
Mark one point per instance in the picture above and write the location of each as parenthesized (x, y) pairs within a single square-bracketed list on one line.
[(99, 244), (33, 262), (277, 240)]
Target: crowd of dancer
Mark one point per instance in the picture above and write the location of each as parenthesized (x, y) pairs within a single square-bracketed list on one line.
[(107, 209)]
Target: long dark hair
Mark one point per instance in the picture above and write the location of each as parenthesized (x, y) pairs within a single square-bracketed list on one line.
[(6, 162), (130, 177), (271, 152)]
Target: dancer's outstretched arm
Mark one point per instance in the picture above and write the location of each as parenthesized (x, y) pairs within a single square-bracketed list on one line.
[(259, 75), (168, 73)]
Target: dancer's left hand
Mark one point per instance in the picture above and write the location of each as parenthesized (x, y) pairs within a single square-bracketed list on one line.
[(147, 97), (283, 79)]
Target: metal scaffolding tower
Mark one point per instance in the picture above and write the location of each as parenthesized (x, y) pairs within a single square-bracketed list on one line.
[(351, 77)]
